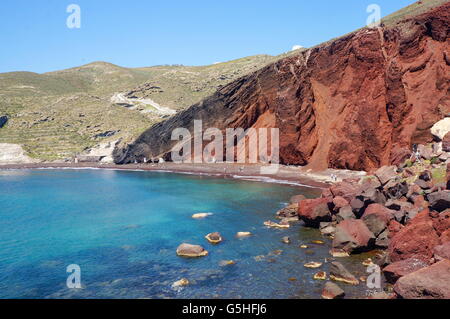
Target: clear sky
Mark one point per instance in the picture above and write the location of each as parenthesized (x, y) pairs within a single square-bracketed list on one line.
[(34, 35)]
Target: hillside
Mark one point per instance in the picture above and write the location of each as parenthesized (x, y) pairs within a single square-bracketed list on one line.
[(357, 102), (58, 114)]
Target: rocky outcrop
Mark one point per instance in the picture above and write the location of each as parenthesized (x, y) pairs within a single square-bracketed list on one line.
[(14, 154), (358, 102)]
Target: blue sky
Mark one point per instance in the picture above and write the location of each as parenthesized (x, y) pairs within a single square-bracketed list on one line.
[(133, 33)]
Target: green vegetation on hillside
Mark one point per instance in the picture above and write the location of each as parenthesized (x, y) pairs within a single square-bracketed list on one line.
[(59, 114)]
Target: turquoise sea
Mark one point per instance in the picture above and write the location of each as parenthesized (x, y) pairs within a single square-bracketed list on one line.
[(123, 227)]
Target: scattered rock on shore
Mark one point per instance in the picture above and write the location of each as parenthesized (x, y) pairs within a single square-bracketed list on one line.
[(339, 273)]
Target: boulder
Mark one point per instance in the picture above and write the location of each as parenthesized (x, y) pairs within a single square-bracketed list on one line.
[(357, 206), (288, 211), (386, 173), (352, 235), (394, 227), (344, 213), (339, 202), (345, 189), (441, 128), (442, 252), (445, 237), (327, 228), (377, 218), (417, 240), (314, 211), (432, 282), (426, 152), (446, 143), (383, 239), (401, 268), (372, 195), (188, 250), (332, 291), (339, 273), (439, 201), (369, 181), (442, 222)]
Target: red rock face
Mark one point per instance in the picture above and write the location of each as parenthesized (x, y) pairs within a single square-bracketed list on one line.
[(358, 102)]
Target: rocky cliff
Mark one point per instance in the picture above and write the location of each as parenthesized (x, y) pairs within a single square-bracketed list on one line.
[(357, 102)]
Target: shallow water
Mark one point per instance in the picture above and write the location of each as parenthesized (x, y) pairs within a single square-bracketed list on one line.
[(123, 227)]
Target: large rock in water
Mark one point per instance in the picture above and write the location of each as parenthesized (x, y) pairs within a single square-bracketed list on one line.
[(339, 273), (377, 218), (352, 235), (314, 211), (432, 282), (188, 250), (348, 103)]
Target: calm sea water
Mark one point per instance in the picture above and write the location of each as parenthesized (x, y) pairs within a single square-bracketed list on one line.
[(123, 227)]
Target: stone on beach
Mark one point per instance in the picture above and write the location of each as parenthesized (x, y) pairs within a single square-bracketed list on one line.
[(332, 291), (188, 250), (314, 211), (353, 235), (214, 238)]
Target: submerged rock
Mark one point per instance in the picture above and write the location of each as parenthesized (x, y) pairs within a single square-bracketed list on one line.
[(214, 238), (332, 291), (313, 264), (180, 283), (321, 275), (201, 215), (286, 240), (188, 250), (243, 234), (276, 225)]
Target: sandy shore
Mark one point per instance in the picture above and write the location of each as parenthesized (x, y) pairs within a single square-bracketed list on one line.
[(285, 174)]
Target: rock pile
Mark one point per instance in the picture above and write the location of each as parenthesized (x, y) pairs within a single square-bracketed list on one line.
[(403, 209)]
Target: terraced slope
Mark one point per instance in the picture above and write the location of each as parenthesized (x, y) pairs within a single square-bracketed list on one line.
[(59, 114)]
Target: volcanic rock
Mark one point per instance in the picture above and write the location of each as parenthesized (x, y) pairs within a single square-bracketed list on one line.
[(401, 268), (432, 282), (353, 235), (314, 211), (442, 252)]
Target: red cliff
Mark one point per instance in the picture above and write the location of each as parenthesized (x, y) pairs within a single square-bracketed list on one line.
[(358, 102)]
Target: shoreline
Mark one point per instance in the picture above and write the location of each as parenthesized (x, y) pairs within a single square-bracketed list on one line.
[(290, 175)]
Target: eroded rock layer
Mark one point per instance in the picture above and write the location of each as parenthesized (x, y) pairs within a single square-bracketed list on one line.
[(358, 102)]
